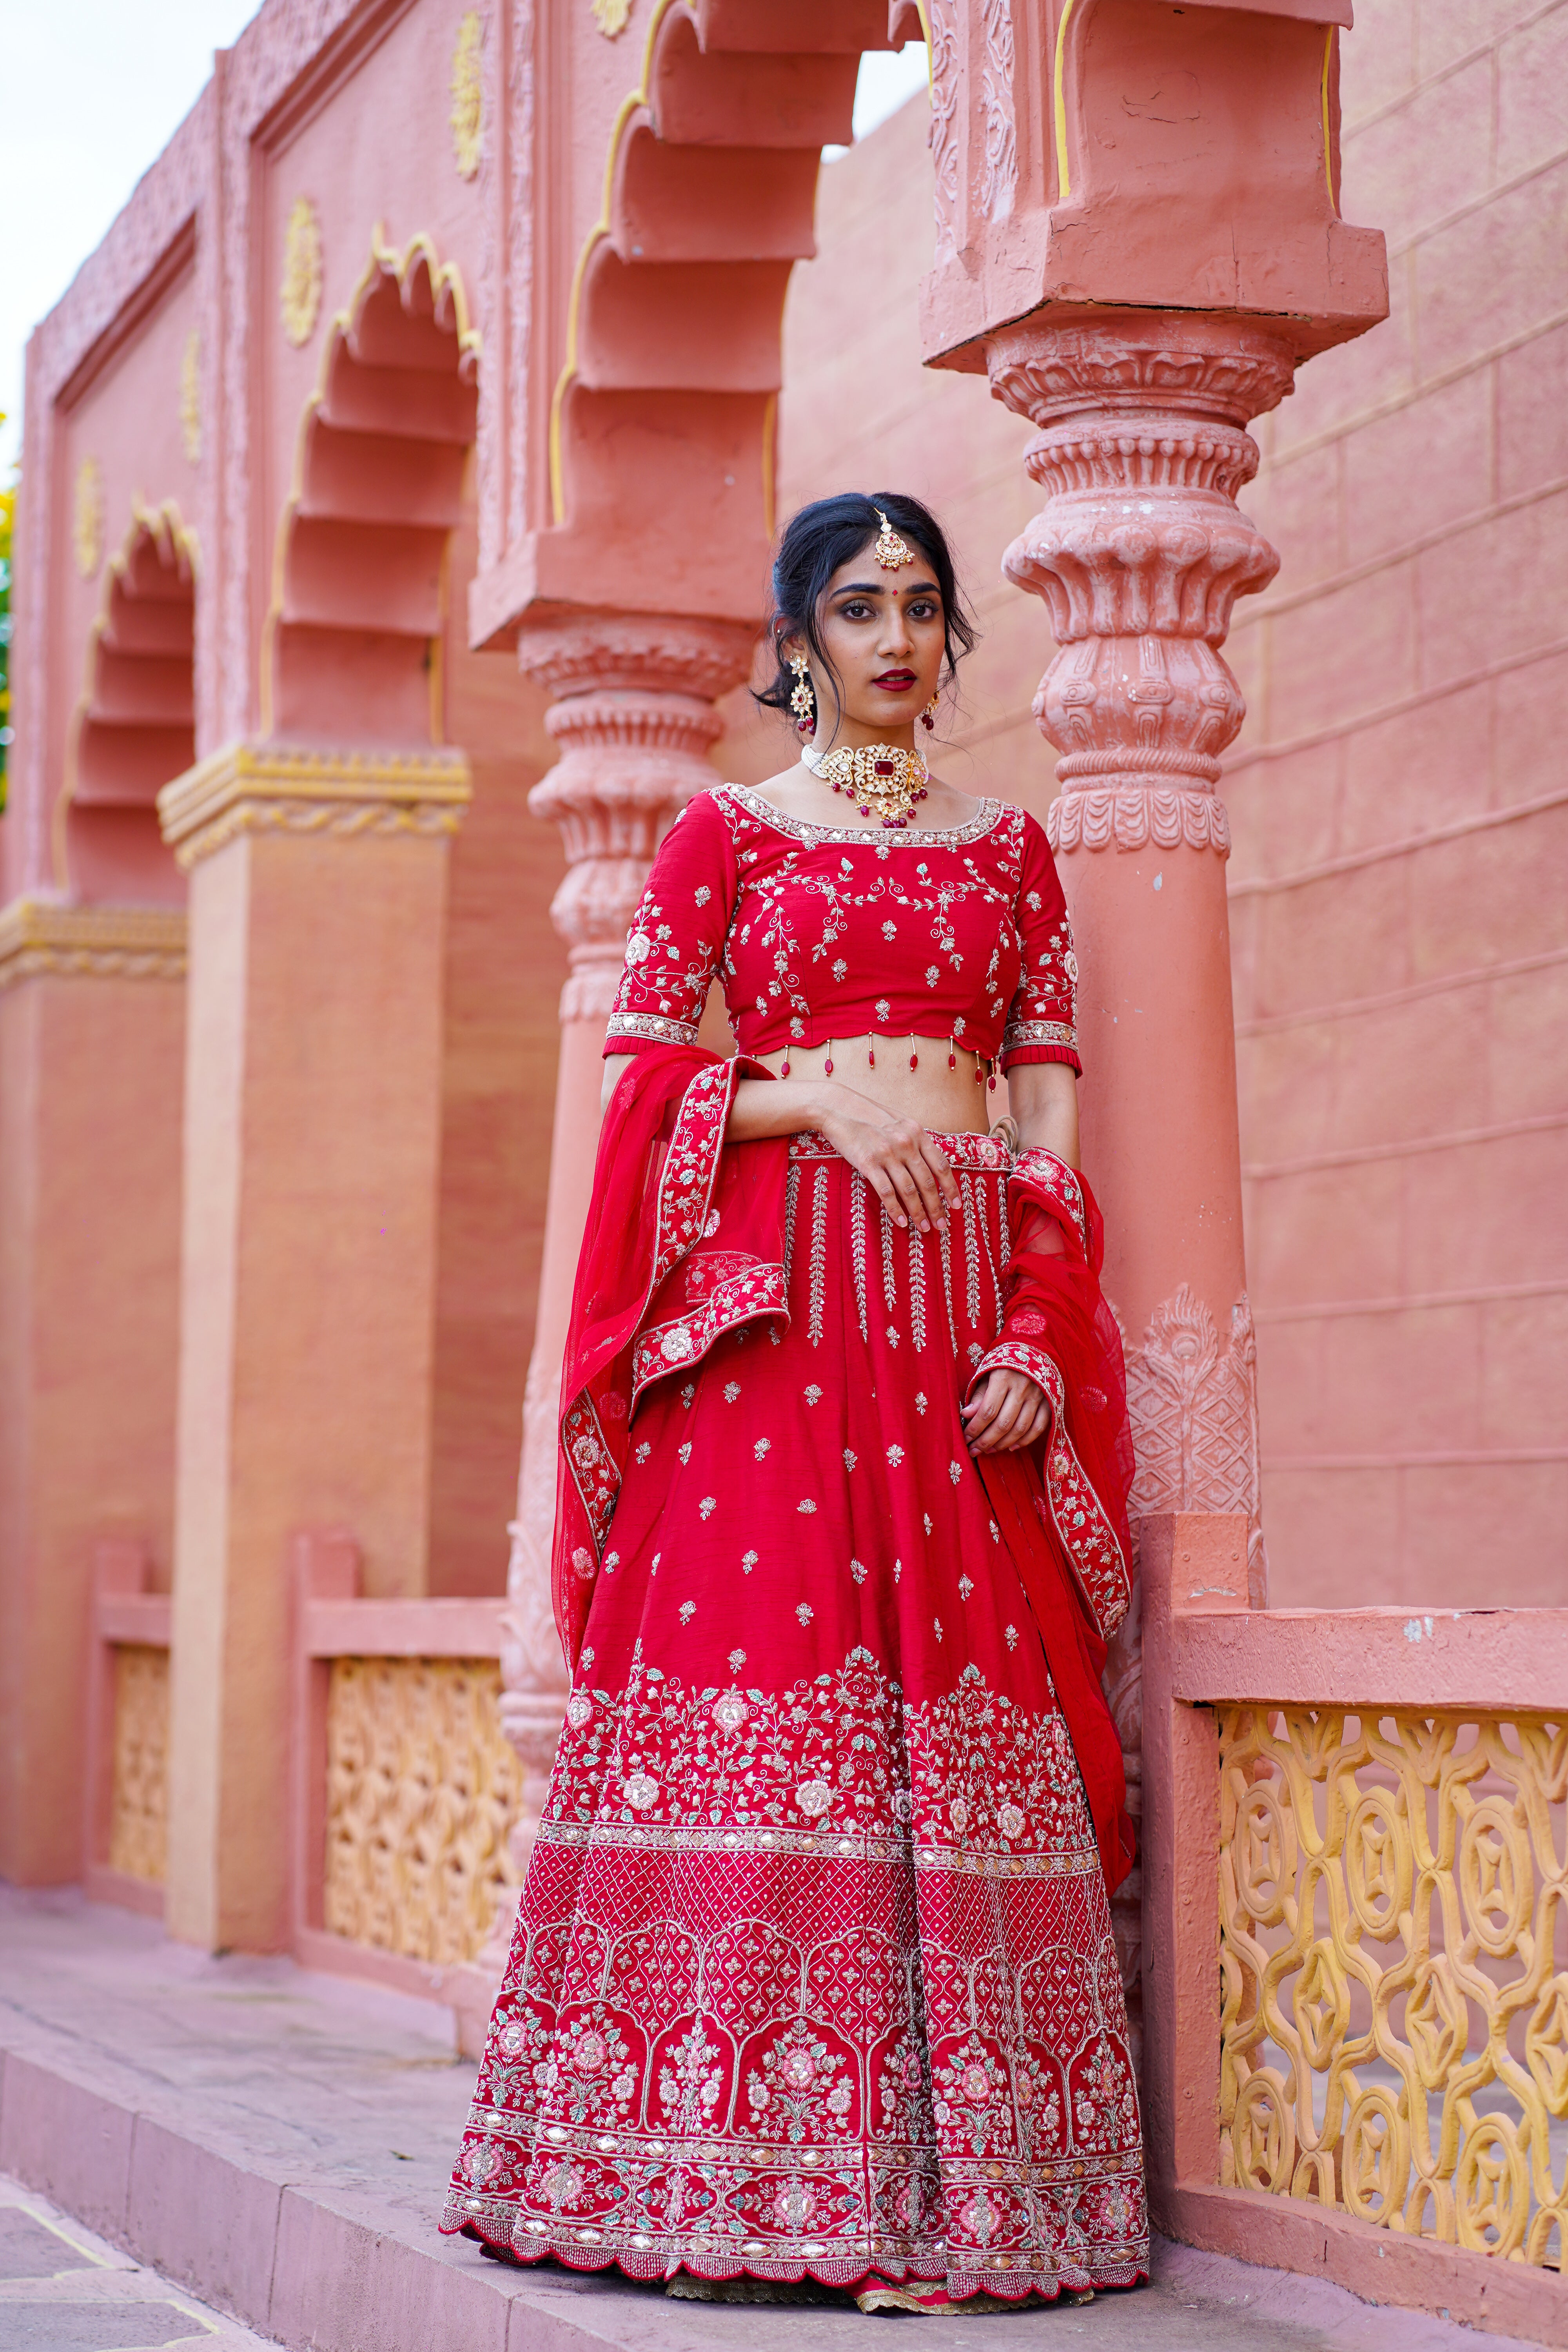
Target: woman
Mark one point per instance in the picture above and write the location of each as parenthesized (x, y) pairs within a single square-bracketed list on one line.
[(813, 1974)]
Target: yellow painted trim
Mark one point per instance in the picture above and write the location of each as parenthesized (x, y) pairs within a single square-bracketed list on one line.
[(167, 528), (1059, 104), (249, 787), (601, 229), (1328, 148), (770, 464), (386, 261)]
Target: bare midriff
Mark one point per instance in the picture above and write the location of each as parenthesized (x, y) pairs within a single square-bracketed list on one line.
[(945, 1101)]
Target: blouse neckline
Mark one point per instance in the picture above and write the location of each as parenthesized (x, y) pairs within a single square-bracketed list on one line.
[(904, 837)]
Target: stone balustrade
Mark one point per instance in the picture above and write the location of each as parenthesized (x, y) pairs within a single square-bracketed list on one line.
[(1355, 1824)]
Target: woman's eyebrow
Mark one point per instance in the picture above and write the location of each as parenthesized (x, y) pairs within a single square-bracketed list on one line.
[(880, 588)]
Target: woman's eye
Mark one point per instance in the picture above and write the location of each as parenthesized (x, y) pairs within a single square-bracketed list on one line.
[(855, 611)]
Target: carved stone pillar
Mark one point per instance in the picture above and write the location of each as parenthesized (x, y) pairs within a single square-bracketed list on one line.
[(311, 1157), (634, 716), (1139, 554), (92, 1018)]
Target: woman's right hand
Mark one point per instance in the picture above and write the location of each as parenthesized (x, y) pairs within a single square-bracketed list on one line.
[(906, 1170)]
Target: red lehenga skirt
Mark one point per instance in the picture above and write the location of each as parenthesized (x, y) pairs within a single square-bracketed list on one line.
[(814, 1970)]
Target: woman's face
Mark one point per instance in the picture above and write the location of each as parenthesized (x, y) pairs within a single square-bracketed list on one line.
[(885, 635)]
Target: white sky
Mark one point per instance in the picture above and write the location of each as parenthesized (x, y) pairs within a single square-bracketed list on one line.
[(95, 89)]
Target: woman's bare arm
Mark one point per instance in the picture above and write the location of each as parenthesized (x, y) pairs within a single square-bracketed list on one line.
[(1043, 1099)]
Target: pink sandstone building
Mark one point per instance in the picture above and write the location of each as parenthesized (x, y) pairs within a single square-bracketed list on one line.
[(398, 482)]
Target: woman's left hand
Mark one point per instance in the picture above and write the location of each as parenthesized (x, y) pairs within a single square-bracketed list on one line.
[(1008, 1410)]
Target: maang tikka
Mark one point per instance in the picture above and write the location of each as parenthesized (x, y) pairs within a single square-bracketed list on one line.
[(891, 551), (803, 701)]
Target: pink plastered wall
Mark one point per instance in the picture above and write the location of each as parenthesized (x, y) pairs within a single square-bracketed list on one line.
[(1400, 947), (1399, 943)]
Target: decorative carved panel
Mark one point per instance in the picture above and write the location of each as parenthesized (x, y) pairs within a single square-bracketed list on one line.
[(139, 1807), (300, 297), (87, 527), (1193, 1405), (422, 1790), (1394, 2030), (468, 87)]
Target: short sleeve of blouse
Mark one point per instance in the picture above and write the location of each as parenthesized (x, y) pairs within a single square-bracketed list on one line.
[(1042, 1021), (677, 934)]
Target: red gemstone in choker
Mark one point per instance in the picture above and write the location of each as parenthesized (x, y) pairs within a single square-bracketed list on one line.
[(882, 777)]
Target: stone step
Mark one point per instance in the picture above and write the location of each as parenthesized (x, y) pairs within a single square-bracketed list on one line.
[(277, 2143)]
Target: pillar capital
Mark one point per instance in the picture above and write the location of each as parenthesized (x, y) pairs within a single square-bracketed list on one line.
[(1213, 370), (251, 788), (1139, 555), (635, 719), (40, 938), (577, 652)]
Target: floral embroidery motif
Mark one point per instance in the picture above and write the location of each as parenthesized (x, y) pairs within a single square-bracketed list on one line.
[(1060, 1185), (769, 2081), (800, 921)]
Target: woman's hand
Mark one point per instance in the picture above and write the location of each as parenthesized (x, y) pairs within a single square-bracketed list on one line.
[(1008, 1410), (906, 1170)]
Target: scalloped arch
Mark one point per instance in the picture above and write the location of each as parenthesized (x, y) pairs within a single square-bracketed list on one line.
[(673, 359), (134, 726), (351, 645)]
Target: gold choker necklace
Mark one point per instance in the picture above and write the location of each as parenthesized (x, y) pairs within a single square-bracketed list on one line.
[(877, 775)]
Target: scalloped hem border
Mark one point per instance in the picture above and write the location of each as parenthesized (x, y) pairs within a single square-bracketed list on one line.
[(1007, 2286)]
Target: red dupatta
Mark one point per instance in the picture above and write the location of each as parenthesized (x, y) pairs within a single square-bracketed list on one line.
[(684, 1241), (1062, 1503)]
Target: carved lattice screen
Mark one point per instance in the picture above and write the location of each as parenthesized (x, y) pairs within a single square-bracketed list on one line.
[(138, 1805), (422, 1790), (1394, 1909)]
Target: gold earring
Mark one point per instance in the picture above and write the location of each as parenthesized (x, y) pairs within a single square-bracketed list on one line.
[(803, 701), (928, 716)]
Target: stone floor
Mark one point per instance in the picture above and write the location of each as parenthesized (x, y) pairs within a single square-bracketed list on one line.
[(64, 2290), (277, 2143)]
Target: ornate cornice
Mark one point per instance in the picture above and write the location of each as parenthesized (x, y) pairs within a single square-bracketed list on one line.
[(90, 942), (637, 653), (270, 788)]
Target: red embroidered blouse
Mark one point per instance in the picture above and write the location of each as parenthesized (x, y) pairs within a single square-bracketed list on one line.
[(822, 932)]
